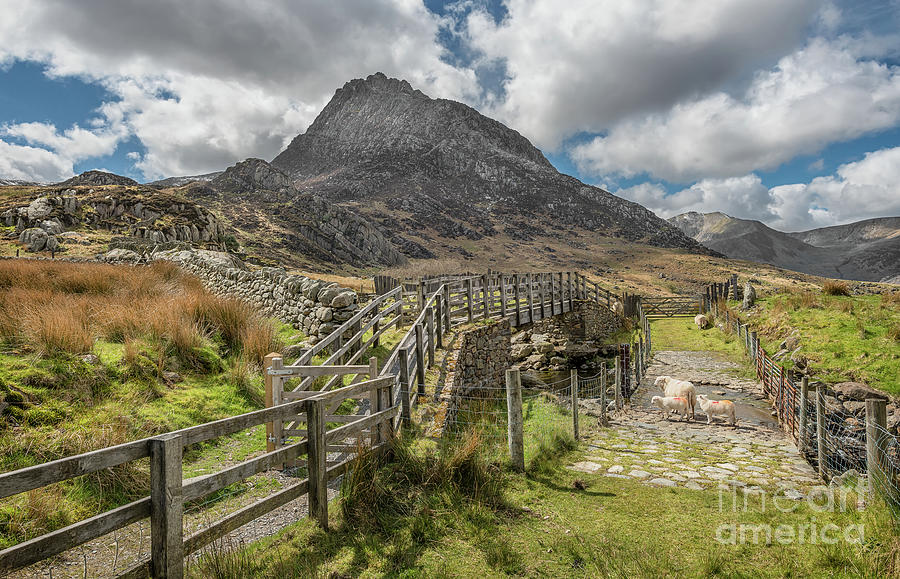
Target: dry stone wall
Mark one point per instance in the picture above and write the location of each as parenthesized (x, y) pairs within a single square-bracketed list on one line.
[(314, 306), (480, 368)]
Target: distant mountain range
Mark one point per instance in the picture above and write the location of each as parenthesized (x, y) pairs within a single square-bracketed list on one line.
[(866, 250)]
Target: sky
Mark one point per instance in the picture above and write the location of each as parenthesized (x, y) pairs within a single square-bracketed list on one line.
[(783, 111)]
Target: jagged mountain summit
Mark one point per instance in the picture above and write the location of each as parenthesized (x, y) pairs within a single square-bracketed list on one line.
[(866, 250), (430, 171)]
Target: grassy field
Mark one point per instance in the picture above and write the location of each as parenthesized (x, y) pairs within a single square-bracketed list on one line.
[(844, 337), (446, 511), (96, 355)]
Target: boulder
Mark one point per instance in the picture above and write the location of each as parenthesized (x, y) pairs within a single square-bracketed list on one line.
[(857, 391), (573, 350), (34, 239), (51, 227), (543, 347), (343, 299), (38, 209), (855, 406), (328, 294), (520, 351), (539, 338), (119, 254), (521, 337), (749, 296)]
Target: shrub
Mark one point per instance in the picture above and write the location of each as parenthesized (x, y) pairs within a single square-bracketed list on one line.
[(893, 332), (836, 288)]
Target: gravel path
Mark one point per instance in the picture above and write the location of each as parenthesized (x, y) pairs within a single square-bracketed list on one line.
[(755, 455)]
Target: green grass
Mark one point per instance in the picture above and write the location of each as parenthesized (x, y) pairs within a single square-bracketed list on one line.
[(683, 334), (427, 518), (845, 337)]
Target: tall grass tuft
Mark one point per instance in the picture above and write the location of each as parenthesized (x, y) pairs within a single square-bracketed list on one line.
[(408, 484), (836, 288), (61, 307)]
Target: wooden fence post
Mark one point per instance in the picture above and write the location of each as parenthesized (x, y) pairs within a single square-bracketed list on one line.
[(573, 381), (618, 382), (804, 419), (485, 297), (277, 395), (437, 324), (876, 422), (166, 508), (405, 405), (514, 426), (541, 294), (637, 364), (316, 455), (420, 360), (529, 282), (429, 325), (820, 432), (447, 307), (503, 310), (569, 288), (516, 297), (420, 295), (603, 420), (270, 426), (469, 299)]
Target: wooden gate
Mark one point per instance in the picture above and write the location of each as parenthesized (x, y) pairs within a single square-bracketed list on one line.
[(678, 306)]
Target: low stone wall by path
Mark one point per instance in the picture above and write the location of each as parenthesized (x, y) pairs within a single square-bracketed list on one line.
[(476, 369), (314, 306)]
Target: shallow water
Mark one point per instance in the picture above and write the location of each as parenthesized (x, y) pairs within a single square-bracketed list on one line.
[(748, 407)]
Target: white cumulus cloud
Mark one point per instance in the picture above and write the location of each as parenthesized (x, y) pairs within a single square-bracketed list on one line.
[(205, 83), (820, 94)]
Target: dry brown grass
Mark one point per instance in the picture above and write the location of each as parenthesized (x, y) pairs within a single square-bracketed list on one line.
[(58, 307), (836, 288)]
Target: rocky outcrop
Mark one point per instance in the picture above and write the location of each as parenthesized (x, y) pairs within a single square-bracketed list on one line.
[(155, 216), (98, 178), (258, 197)]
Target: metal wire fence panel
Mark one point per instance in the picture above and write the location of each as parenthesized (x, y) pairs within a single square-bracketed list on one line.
[(845, 441), (885, 474)]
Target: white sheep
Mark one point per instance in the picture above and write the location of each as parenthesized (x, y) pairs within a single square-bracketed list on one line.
[(674, 387), (701, 321), (673, 404), (717, 408), (618, 308)]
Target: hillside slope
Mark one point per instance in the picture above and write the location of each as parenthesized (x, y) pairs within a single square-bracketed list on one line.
[(868, 250)]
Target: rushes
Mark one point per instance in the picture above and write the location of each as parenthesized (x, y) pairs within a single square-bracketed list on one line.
[(836, 288), (58, 308)]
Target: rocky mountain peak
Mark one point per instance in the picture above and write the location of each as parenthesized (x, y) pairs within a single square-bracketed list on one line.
[(451, 172), (384, 120)]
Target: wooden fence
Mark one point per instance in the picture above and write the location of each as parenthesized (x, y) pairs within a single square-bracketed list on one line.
[(303, 418)]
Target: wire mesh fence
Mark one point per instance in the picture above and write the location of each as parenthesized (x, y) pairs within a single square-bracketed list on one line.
[(838, 442)]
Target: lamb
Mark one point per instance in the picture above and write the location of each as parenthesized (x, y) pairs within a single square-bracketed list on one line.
[(718, 408), (671, 403), (701, 321), (673, 387)]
